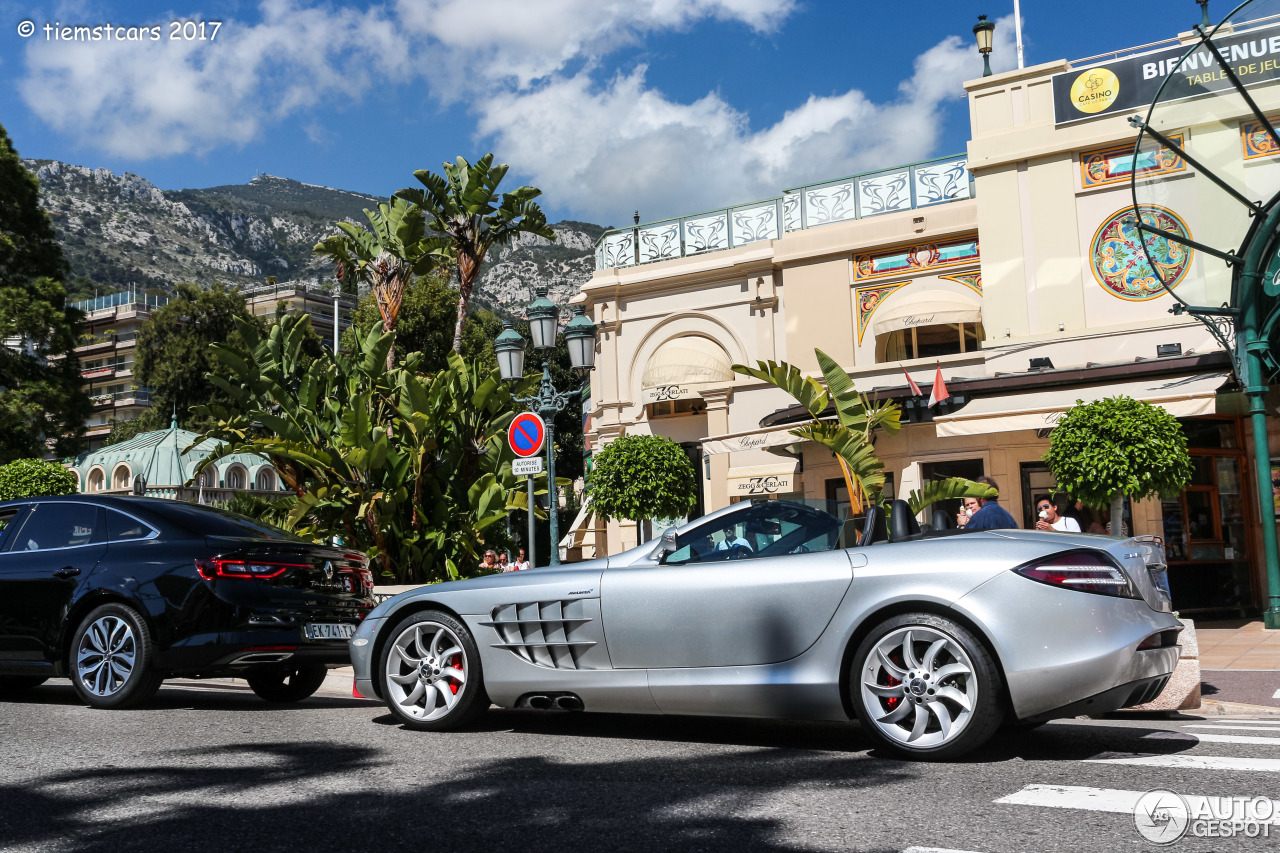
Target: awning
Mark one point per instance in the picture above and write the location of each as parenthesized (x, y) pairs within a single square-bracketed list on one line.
[(926, 308), (756, 439), (775, 478), (1181, 396), (683, 365)]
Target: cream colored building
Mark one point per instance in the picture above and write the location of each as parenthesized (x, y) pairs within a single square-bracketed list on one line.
[(1010, 268)]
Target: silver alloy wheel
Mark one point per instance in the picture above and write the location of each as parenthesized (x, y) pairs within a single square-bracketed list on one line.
[(426, 671), (107, 655), (919, 687)]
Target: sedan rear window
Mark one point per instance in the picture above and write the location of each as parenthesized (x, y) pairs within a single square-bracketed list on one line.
[(121, 527), (61, 525), (210, 521)]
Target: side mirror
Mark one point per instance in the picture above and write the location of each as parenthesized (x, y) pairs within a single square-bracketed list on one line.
[(666, 545)]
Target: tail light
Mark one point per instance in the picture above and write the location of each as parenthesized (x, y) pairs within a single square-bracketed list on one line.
[(259, 569), (1087, 571)]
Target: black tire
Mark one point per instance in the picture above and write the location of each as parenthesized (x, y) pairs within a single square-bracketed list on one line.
[(988, 710), (470, 700), (141, 681), (287, 685), (20, 682)]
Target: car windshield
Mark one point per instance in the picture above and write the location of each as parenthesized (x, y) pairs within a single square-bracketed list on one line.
[(764, 529), (218, 522)]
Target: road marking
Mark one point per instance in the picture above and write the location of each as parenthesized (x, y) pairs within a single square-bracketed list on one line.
[(1193, 762), (934, 850), (1205, 737), (1276, 695), (1101, 799), (1235, 720), (1234, 728)]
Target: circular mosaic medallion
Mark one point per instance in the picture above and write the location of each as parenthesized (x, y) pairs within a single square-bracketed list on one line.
[(1121, 266)]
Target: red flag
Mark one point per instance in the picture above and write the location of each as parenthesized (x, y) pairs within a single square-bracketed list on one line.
[(915, 389), (939, 391)]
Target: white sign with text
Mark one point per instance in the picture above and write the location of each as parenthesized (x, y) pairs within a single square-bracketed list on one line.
[(526, 467)]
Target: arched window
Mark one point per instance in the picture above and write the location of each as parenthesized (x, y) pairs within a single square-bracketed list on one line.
[(265, 481), (121, 476), (237, 477), (97, 479), (208, 478)]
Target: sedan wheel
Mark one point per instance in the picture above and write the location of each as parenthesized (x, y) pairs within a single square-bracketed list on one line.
[(430, 673), (111, 659), (926, 687)]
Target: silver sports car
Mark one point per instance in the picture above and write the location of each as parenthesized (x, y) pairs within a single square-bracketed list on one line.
[(930, 638)]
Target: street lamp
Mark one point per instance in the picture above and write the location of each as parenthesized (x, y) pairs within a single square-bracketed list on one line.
[(984, 31), (580, 336)]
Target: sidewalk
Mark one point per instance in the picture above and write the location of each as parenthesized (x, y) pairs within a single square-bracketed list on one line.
[(1239, 663)]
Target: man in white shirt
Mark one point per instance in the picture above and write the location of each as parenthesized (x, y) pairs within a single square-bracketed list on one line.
[(1051, 519)]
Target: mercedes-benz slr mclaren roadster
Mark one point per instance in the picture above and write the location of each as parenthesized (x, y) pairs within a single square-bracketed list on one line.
[(930, 638)]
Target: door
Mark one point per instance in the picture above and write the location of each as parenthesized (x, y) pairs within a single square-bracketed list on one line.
[(755, 586), (55, 546)]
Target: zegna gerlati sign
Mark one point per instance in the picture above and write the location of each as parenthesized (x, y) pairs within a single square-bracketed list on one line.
[(1131, 83)]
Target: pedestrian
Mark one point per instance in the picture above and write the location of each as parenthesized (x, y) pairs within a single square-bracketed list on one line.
[(521, 563), (970, 506), (490, 562), (990, 515), (503, 564), (1051, 514)]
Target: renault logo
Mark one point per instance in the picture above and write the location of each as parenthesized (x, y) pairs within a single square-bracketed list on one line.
[(328, 570)]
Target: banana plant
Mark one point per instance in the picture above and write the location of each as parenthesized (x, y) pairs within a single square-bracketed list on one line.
[(849, 433), (463, 207), (410, 468)]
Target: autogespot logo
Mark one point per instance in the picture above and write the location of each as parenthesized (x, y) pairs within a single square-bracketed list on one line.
[(1162, 817)]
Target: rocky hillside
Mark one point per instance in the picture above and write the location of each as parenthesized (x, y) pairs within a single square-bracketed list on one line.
[(119, 231)]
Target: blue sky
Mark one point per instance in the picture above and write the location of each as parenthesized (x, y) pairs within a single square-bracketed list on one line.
[(669, 106)]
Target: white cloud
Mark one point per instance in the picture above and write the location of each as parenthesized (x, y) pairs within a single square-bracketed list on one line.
[(606, 149), (147, 98)]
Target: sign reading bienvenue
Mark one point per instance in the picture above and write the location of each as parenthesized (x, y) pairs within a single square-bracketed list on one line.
[(1131, 83)]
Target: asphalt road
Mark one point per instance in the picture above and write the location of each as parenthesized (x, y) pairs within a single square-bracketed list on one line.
[(218, 770)]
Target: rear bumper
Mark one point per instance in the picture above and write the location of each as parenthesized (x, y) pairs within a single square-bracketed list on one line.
[(239, 652), (1123, 696)]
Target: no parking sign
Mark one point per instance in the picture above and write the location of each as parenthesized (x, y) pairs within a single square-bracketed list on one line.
[(526, 433)]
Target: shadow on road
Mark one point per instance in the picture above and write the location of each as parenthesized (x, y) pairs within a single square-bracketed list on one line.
[(188, 696), (323, 796)]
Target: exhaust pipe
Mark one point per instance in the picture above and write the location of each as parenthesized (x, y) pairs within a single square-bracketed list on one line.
[(569, 703), (263, 657), (542, 703)]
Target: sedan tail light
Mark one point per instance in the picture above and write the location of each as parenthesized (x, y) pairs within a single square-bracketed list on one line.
[(1087, 571), (259, 569)]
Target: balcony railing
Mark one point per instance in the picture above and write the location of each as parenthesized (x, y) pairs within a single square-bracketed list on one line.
[(141, 395), (92, 307), (857, 197)]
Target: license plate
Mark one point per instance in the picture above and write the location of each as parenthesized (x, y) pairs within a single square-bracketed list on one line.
[(330, 631)]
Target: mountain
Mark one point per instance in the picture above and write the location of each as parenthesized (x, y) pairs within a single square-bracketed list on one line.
[(121, 231)]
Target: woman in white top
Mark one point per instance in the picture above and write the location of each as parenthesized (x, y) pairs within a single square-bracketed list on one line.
[(521, 562), (1051, 519)]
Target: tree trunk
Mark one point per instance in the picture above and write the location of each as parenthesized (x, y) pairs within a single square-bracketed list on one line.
[(391, 351), (467, 269), (1117, 515)]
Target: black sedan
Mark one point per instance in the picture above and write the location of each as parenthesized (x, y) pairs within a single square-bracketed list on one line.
[(119, 593)]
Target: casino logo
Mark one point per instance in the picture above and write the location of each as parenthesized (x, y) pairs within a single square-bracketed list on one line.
[(1095, 90)]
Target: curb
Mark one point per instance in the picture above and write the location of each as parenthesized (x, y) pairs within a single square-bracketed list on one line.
[(1215, 708)]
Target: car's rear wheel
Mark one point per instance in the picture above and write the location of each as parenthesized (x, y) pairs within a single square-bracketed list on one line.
[(20, 682), (291, 685), (430, 673), (926, 687), (112, 659)]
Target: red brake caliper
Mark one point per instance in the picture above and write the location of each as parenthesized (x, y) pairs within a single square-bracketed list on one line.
[(892, 701), (453, 687)]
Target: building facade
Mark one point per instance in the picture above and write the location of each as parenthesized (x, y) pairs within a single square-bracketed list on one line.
[(1012, 270)]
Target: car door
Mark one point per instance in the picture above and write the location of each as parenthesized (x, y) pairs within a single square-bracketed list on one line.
[(754, 587), (56, 545)]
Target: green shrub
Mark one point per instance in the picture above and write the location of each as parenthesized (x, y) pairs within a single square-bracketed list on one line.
[(639, 477), (32, 478)]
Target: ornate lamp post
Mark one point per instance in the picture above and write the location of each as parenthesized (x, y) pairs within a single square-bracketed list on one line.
[(580, 336), (984, 32)]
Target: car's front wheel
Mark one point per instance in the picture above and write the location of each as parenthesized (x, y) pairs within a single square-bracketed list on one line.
[(430, 673), (925, 687), (112, 659), (287, 685)]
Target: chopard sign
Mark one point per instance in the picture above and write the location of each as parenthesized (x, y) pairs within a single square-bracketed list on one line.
[(915, 320)]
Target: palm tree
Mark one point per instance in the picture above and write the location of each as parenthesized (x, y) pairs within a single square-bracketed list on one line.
[(395, 248), (464, 208)]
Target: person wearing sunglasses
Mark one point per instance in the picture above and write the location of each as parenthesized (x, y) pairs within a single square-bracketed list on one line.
[(1049, 516)]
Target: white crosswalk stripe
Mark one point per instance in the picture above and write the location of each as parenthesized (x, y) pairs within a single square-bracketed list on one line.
[(1249, 728), (1103, 799), (1193, 762), (1234, 721), (933, 850), (1209, 737)]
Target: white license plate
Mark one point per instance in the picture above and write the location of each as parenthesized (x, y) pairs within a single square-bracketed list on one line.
[(330, 631)]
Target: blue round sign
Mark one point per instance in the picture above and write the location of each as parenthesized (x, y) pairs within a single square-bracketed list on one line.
[(526, 433)]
